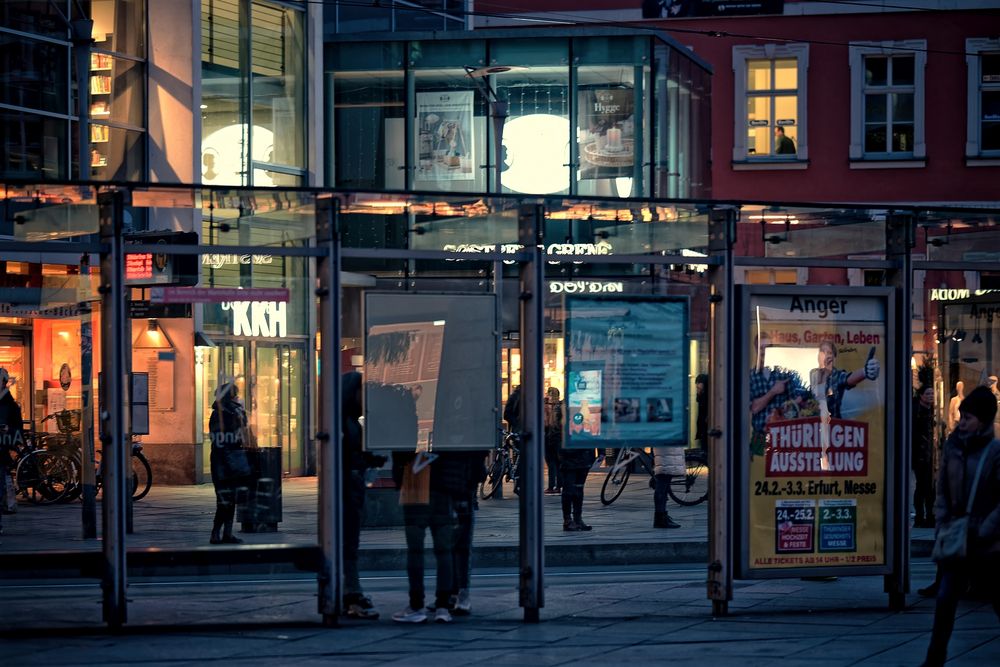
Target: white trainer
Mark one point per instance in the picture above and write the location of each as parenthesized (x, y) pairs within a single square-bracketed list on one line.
[(409, 615), (442, 615), (463, 603)]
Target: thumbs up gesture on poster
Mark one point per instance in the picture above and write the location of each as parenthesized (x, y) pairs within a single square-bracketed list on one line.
[(872, 369)]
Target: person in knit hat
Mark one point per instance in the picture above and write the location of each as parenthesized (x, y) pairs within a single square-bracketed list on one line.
[(970, 444)]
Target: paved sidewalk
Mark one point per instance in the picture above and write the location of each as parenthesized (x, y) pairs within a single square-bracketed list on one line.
[(626, 617), (181, 517)]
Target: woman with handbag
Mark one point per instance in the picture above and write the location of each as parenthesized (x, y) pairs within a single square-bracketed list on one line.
[(967, 512), (231, 470)]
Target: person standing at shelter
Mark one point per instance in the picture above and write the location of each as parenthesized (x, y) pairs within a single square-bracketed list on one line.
[(553, 439), (667, 462), (922, 457), (574, 465), (354, 462), (465, 513), (232, 472), (971, 449)]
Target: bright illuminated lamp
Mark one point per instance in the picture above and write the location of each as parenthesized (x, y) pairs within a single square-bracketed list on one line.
[(537, 155), (222, 155)]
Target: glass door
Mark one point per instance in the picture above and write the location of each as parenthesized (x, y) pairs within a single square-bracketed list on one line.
[(14, 356), (277, 401)]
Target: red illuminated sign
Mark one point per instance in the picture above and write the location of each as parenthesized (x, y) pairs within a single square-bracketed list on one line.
[(139, 266)]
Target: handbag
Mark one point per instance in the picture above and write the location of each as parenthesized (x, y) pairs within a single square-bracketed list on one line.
[(236, 463), (416, 487), (952, 537)]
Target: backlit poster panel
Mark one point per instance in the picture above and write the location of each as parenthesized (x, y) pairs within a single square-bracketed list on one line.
[(444, 136), (626, 372), (815, 445)]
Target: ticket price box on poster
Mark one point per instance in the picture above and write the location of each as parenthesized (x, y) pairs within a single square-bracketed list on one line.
[(814, 488)]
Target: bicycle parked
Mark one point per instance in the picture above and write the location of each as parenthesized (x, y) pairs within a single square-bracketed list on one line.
[(687, 490), (505, 466), (50, 470)]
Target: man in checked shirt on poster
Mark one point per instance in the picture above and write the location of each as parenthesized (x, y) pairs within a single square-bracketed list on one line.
[(770, 389)]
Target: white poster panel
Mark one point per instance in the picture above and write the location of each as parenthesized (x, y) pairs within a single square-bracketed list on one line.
[(444, 136)]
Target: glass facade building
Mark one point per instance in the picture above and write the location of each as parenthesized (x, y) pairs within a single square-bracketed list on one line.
[(597, 111)]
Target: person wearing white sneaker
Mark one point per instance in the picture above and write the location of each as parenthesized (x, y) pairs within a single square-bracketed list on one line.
[(410, 615)]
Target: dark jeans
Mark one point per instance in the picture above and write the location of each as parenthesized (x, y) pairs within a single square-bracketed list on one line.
[(955, 579), (228, 494), (439, 516), (552, 463), (572, 492), (660, 493), (354, 510), (923, 492), (465, 522)]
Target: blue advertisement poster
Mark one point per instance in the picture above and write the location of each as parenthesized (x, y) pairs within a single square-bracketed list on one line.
[(626, 372)]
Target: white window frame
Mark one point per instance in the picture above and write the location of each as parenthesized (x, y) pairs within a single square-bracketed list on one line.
[(741, 54), (857, 53), (974, 48)]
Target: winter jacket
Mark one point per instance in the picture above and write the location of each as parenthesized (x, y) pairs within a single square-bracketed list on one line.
[(668, 461), (576, 459), (11, 427), (923, 437), (958, 469), (228, 426)]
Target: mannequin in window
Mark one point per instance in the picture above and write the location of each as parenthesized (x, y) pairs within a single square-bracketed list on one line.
[(783, 145), (953, 404)]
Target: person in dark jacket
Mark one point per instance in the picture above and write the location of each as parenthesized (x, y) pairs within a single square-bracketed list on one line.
[(922, 457), (231, 471), (972, 440), (11, 432), (553, 439), (448, 484), (354, 462), (574, 464)]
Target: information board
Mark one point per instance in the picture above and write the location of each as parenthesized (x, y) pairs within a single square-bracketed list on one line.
[(626, 372)]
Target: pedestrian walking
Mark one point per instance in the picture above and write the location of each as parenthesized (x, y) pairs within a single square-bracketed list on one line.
[(968, 487), (230, 459), (354, 462), (553, 439), (667, 462)]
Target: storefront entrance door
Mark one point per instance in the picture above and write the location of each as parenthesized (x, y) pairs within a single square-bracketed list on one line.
[(272, 387), (15, 357)]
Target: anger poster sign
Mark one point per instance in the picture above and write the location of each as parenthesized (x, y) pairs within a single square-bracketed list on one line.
[(814, 442)]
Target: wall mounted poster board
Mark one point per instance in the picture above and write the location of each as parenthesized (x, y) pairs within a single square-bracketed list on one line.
[(814, 447), (626, 372)]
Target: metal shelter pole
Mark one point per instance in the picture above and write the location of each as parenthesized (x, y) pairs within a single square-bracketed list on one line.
[(722, 415), (88, 477), (900, 231), (329, 432), (531, 276), (114, 338)]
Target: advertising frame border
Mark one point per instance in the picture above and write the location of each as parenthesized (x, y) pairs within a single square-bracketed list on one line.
[(741, 546)]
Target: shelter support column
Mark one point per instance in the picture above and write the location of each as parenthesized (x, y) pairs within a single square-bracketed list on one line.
[(723, 418), (531, 277), (900, 230), (114, 439), (328, 434)]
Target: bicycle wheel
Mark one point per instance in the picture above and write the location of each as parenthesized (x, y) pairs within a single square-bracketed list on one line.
[(142, 481), (692, 488), (494, 478), (44, 478), (616, 479)]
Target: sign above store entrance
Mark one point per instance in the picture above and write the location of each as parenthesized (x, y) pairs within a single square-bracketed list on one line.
[(217, 294)]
